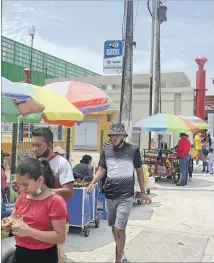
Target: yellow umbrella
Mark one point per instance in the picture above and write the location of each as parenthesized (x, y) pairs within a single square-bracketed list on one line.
[(57, 108)]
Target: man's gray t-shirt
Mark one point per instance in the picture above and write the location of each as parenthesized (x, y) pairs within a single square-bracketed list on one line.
[(120, 164), (83, 169)]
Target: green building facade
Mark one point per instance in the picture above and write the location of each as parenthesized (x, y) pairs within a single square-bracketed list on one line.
[(15, 57)]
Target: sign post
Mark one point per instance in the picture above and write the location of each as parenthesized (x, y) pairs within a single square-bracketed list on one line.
[(113, 57)]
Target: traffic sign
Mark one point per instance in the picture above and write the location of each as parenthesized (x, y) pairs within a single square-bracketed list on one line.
[(113, 56)]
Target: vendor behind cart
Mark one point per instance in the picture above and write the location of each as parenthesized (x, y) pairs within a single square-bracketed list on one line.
[(84, 169)]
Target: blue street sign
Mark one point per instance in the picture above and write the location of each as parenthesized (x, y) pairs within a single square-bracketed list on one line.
[(113, 56)]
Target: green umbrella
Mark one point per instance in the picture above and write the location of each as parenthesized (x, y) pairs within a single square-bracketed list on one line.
[(11, 113), (31, 118)]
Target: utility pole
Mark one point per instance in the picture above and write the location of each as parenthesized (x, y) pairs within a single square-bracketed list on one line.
[(126, 87), (151, 65), (158, 14), (156, 69)]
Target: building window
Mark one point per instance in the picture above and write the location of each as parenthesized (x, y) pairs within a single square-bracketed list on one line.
[(146, 85), (86, 135), (115, 86), (140, 85), (103, 87), (163, 85)]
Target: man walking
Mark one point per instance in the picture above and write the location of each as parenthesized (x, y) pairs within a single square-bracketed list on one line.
[(120, 159), (183, 150), (42, 142)]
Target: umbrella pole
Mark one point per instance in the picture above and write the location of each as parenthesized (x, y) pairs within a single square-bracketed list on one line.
[(68, 140), (14, 148), (17, 141)]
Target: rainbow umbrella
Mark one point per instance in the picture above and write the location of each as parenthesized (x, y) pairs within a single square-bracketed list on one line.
[(87, 98), (164, 122), (198, 122), (16, 102), (56, 108), (9, 90)]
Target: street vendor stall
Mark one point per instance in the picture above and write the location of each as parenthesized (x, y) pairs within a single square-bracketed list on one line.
[(164, 162), (82, 207)]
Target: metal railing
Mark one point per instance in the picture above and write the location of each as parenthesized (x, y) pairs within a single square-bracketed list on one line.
[(19, 54)]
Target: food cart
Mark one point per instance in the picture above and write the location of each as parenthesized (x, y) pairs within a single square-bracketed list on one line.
[(82, 209)]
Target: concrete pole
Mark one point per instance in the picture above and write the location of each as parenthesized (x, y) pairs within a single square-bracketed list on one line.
[(151, 69), (156, 64), (126, 87), (156, 67)]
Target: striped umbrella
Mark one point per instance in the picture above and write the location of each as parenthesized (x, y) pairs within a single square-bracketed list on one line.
[(86, 97), (164, 122), (55, 107), (198, 122)]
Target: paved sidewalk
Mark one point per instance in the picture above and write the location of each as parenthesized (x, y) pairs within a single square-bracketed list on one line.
[(177, 227)]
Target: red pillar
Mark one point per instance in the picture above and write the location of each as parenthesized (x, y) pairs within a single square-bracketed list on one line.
[(200, 87), (27, 72)]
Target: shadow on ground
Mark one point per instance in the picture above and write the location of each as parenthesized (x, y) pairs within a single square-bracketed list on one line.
[(194, 183), (99, 237)]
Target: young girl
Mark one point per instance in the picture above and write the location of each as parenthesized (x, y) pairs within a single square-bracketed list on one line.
[(44, 214), (210, 160)]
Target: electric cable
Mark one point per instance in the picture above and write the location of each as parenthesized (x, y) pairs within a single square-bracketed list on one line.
[(136, 14), (148, 6)]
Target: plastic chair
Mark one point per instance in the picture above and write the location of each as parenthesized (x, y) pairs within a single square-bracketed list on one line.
[(102, 210)]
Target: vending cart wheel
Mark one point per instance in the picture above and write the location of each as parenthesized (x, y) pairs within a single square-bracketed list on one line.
[(97, 222), (157, 178), (176, 176), (148, 191), (86, 231), (139, 202)]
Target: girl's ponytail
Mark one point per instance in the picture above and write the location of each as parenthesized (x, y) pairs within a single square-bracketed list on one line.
[(50, 179)]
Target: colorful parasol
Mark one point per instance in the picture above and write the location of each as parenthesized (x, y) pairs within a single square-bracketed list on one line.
[(9, 90), (17, 102), (164, 122), (198, 122), (55, 107), (87, 98)]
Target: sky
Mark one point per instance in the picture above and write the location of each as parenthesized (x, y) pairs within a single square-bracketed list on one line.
[(76, 30)]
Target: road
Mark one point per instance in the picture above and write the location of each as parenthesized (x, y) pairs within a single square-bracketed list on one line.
[(177, 227)]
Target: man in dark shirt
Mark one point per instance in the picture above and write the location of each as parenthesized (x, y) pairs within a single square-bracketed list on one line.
[(120, 159)]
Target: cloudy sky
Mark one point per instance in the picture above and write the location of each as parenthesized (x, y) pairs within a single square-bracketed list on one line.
[(76, 30)]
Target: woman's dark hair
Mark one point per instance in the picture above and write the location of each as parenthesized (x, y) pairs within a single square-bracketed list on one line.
[(86, 159), (34, 168)]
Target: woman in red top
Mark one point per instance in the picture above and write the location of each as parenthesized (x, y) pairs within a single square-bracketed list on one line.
[(44, 214)]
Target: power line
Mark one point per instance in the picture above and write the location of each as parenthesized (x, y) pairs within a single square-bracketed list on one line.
[(136, 14)]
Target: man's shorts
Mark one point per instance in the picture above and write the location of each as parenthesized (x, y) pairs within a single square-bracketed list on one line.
[(119, 211)]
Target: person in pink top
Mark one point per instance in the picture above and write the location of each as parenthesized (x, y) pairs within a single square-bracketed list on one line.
[(5, 191)]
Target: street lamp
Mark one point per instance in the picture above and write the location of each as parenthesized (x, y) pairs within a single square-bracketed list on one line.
[(31, 32)]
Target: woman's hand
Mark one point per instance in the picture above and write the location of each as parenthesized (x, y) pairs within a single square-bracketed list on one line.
[(21, 231), (6, 223), (16, 187)]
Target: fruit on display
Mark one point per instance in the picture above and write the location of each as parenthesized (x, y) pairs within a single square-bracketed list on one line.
[(7, 221), (4, 234), (15, 221), (81, 183)]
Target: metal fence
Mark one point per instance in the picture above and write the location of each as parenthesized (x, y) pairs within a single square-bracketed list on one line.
[(53, 67), (24, 149)]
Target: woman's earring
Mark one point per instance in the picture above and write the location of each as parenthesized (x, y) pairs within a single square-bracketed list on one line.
[(38, 191)]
